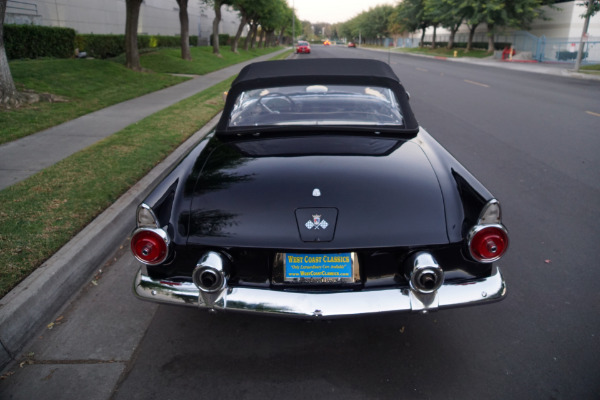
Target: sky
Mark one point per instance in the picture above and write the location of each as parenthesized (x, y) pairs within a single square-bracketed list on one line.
[(333, 11)]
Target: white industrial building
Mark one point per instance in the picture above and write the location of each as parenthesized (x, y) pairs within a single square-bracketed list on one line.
[(157, 17)]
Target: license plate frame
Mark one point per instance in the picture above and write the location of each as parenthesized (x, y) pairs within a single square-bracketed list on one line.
[(320, 268)]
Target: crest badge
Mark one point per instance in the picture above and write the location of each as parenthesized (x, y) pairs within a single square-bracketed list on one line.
[(316, 223)]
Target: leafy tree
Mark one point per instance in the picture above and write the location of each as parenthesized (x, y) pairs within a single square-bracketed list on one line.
[(184, 23), (286, 23), (216, 5), (411, 14), (511, 13), (307, 30), (132, 54), (473, 18), (271, 18), (449, 13), (254, 10)]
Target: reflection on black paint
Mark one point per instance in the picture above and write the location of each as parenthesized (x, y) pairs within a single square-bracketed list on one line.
[(211, 222), (219, 171)]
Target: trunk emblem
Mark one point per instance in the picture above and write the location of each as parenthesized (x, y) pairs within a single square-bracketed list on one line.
[(316, 192), (316, 223)]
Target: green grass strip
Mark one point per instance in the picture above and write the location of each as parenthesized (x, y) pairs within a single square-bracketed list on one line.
[(85, 85), (444, 52), (41, 214), (88, 85)]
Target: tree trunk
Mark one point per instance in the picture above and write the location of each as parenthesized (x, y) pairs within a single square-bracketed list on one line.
[(490, 33), (247, 41), (280, 38), (451, 39), (253, 36), (433, 39), (234, 45), (216, 22), (453, 31), (421, 44), (184, 23), (132, 55), (8, 91), (261, 39), (470, 40)]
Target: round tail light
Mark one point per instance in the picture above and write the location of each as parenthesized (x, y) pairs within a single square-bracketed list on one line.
[(150, 246), (487, 243)]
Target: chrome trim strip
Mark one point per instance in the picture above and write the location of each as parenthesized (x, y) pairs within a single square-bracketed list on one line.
[(339, 304)]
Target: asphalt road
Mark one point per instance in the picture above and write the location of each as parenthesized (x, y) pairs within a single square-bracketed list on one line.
[(531, 139)]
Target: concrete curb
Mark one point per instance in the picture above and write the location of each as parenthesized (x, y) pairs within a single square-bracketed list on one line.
[(36, 300)]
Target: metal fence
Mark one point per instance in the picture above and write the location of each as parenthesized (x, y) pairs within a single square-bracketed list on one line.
[(527, 46), (561, 50)]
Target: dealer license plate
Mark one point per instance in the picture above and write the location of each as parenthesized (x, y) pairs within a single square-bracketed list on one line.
[(319, 268)]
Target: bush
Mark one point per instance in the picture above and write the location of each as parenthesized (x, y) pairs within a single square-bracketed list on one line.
[(101, 46), (569, 55), (31, 41), (223, 39), (107, 46)]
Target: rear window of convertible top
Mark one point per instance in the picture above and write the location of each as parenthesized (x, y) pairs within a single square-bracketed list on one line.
[(332, 105)]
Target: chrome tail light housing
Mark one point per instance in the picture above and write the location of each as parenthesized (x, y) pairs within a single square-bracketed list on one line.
[(149, 243), (488, 240)]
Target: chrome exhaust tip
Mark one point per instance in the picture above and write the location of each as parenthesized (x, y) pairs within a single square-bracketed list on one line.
[(425, 275), (209, 275)]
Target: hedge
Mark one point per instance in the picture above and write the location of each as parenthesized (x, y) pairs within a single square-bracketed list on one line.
[(224, 39), (569, 55), (32, 41), (106, 46)]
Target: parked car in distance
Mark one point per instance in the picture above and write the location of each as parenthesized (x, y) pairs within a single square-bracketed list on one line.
[(303, 47), (351, 44), (318, 195)]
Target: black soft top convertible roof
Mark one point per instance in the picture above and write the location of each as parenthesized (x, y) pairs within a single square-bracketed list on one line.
[(340, 71), (361, 70)]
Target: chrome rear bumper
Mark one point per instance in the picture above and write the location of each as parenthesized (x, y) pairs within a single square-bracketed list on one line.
[(337, 304)]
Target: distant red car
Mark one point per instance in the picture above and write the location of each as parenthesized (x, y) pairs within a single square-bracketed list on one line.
[(303, 47), (351, 44)]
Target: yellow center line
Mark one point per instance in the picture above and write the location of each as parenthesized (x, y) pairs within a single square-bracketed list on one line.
[(593, 113), (477, 83)]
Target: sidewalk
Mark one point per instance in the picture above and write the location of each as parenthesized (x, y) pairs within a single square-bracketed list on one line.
[(24, 157)]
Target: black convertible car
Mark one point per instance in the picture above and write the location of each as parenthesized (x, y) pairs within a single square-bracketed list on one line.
[(318, 195)]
